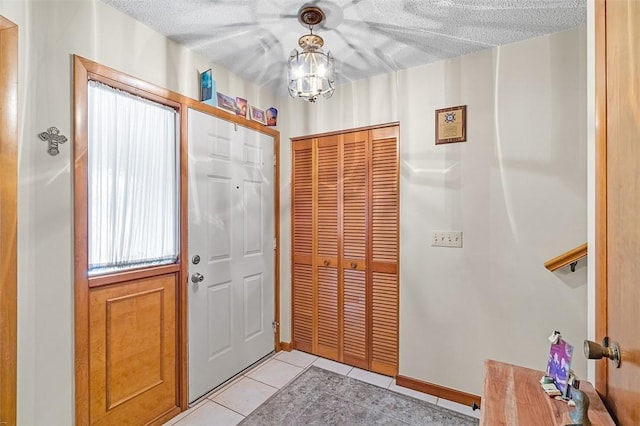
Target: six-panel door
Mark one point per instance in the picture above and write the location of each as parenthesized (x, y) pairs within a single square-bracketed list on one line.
[(231, 230)]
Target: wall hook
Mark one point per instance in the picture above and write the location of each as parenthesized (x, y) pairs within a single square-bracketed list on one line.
[(573, 266), (53, 136)]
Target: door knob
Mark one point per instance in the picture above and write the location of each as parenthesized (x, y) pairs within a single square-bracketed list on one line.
[(611, 350), (197, 278)]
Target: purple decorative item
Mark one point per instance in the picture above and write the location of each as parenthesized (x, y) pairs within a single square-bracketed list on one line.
[(241, 107), (559, 364), (272, 117), (257, 114)]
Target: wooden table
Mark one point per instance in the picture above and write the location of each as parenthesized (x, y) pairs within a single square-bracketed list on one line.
[(512, 396)]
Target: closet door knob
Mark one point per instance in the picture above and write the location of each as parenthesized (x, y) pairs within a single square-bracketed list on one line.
[(326, 262), (354, 265)]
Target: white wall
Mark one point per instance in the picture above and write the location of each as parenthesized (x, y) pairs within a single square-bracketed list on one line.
[(517, 189), (49, 33)]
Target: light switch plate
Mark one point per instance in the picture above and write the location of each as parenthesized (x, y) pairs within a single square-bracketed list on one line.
[(446, 239)]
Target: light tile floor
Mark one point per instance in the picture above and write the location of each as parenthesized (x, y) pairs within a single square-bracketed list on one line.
[(236, 399)]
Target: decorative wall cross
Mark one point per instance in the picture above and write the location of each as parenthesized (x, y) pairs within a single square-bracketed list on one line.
[(53, 136)]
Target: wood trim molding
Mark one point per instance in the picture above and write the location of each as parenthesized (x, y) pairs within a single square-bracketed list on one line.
[(81, 284), (135, 274), (438, 391), (183, 337), (341, 132), (276, 229), (99, 72), (286, 346), (8, 219), (601, 188), (567, 258), (231, 117)]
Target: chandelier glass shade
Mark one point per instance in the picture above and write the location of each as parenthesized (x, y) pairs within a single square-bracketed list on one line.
[(311, 72)]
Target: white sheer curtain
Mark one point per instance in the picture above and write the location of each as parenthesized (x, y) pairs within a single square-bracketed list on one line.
[(133, 192)]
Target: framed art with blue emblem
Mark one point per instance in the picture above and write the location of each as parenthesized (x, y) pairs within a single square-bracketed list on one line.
[(451, 124)]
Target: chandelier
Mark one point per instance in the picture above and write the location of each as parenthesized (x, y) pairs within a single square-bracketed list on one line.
[(311, 72)]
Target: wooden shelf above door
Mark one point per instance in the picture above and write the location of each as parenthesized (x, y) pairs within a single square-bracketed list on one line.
[(567, 258)]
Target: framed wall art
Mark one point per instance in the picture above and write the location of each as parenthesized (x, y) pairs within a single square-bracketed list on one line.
[(208, 88), (206, 85), (451, 124), (226, 102), (257, 114), (272, 116), (241, 107), (559, 364)]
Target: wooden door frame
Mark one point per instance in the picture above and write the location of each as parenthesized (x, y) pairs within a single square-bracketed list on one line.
[(601, 189), (84, 70), (8, 219)]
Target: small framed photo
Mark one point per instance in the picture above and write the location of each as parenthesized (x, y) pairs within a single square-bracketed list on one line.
[(272, 116), (226, 102), (559, 364), (258, 115), (206, 85), (241, 107), (451, 124)]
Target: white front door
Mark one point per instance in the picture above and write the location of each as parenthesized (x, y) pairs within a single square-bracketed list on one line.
[(231, 231)]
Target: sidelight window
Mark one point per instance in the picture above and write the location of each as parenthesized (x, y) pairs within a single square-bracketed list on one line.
[(133, 212)]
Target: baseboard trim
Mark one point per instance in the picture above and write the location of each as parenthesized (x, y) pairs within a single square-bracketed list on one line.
[(286, 346), (463, 398)]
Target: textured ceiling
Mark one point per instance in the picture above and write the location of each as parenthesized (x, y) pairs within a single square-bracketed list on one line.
[(253, 38)]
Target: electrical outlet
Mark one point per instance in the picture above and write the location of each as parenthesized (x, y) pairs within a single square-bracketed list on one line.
[(438, 239), (435, 241), (446, 239), (455, 239)]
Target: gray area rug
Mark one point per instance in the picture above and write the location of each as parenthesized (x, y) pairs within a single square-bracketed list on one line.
[(320, 397)]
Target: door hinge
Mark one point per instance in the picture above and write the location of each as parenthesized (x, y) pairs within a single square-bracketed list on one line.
[(274, 159), (275, 325), (275, 243)]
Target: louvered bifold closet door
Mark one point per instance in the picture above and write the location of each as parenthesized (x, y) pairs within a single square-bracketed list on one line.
[(345, 247), (326, 225), (302, 245), (384, 256), (353, 263)]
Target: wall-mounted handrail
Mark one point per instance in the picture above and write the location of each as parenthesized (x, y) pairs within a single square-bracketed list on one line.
[(569, 258)]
